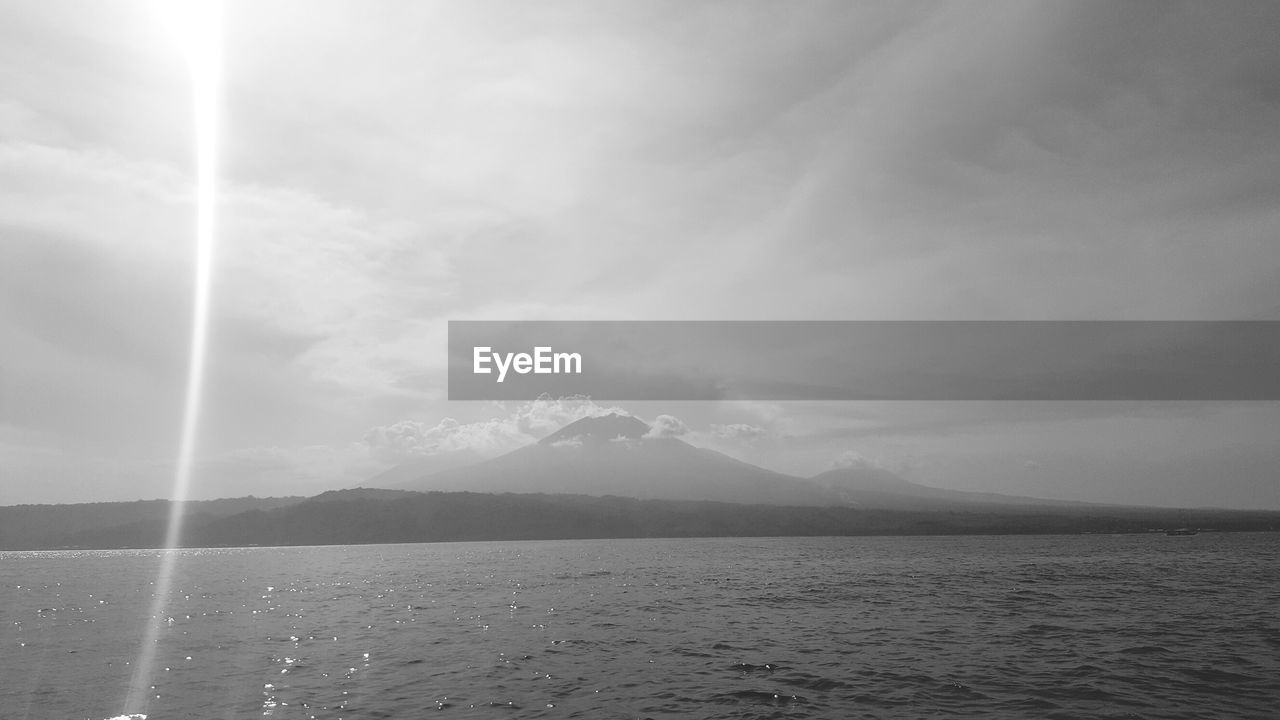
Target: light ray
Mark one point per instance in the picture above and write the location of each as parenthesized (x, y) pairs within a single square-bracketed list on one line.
[(199, 27)]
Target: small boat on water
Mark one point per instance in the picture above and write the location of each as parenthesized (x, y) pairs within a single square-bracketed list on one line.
[(1181, 531)]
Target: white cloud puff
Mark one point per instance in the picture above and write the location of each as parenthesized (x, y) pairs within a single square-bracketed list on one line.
[(852, 459), (527, 423), (667, 426), (740, 433)]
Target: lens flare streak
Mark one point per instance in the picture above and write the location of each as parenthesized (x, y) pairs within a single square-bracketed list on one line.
[(201, 36)]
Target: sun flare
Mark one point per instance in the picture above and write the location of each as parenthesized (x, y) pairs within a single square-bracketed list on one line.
[(196, 26)]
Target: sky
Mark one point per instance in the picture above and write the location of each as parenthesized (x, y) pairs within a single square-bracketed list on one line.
[(386, 168)]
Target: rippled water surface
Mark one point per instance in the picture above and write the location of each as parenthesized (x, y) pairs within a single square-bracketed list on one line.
[(1056, 627)]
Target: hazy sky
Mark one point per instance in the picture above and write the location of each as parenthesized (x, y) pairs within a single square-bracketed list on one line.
[(387, 167)]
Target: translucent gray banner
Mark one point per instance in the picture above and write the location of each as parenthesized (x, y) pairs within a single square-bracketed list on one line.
[(865, 360)]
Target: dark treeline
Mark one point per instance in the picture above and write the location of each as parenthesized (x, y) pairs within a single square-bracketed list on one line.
[(25, 527), (381, 516)]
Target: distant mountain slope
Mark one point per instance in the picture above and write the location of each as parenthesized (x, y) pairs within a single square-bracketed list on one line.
[(602, 477), (613, 455), (868, 486), (24, 526), (599, 430), (379, 516)]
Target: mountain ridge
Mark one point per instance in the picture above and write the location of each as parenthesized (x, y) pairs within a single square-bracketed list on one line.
[(639, 485), (617, 454), (375, 515)]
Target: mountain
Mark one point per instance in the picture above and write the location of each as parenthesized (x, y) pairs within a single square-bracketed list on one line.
[(599, 430), (381, 516), (869, 486), (103, 524), (616, 455), (601, 477)]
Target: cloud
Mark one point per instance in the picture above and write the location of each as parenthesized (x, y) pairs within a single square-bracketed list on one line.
[(741, 433), (1032, 160), (402, 440), (96, 271), (852, 459), (667, 426), (527, 423)]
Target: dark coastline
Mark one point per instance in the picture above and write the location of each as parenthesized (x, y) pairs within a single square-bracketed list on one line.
[(369, 516)]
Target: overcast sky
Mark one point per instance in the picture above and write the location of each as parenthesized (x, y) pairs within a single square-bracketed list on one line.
[(388, 167)]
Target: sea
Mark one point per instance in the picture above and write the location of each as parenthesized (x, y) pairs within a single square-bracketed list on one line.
[(1084, 626)]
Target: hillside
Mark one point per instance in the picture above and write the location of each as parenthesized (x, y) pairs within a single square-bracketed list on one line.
[(380, 516), (614, 455)]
